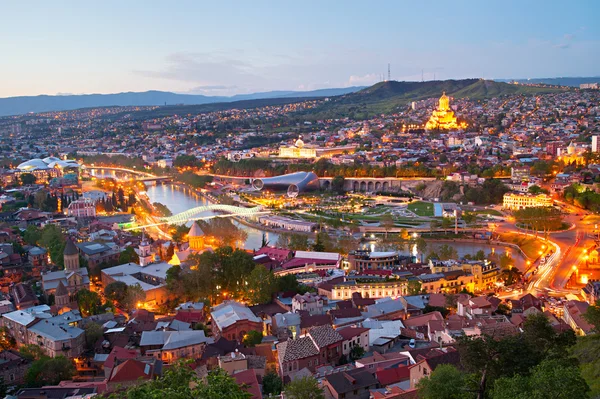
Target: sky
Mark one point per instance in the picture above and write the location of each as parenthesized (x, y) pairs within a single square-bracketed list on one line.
[(234, 47)]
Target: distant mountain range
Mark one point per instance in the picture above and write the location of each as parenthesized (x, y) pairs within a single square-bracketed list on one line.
[(44, 103), (572, 82)]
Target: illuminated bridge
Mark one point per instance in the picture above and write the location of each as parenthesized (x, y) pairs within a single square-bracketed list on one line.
[(195, 214)]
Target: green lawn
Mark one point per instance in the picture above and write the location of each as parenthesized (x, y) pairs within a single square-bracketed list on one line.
[(421, 208), (492, 212), (530, 245)]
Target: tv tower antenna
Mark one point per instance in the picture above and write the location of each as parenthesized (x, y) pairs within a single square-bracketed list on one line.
[(389, 74), (422, 78)]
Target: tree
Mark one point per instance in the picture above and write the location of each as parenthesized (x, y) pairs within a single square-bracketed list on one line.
[(469, 218), (447, 252), (272, 384), (27, 179), (445, 382), (387, 221), (592, 315), (252, 338), (180, 382), (7, 341), (93, 332), (298, 242), (480, 255), (356, 352), (551, 379), (89, 302), (421, 245), (304, 388), (116, 291), (135, 296), (49, 371), (53, 240), (261, 284), (319, 245), (32, 235), (31, 351), (129, 256), (414, 287), (540, 218), (337, 184)]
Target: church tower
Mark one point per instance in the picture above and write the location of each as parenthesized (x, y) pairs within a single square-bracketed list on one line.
[(144, 252), (71, 257), (61, 296), (196, 237)]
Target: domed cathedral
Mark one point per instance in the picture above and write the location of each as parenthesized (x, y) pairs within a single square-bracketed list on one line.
[(196, 237), (443, 117), (73, 278)]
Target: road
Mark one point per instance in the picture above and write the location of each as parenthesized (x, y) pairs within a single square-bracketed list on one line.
[(570, 251)]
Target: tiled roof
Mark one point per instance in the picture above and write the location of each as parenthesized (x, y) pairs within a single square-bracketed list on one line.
[(295, 349), (351, 332), (324, 336)]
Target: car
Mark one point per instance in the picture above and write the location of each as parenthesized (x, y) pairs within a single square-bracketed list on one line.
[(412, 343)]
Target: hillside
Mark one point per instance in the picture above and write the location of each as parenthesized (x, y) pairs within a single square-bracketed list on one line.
[(45, 103), (564, 81), (391, 96)]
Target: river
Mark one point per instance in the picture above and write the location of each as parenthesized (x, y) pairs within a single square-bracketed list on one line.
[(179, 199)]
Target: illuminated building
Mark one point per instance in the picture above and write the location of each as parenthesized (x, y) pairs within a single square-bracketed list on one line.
[(367, 288), (196, 237), (300, 150), (516, 201), (293, 183), (443, 117)]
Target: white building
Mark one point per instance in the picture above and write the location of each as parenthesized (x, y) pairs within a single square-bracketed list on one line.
[(82, 208), (594, 143)]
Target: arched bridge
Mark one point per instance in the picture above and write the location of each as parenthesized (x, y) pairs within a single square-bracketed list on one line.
[(142, 176), (195, 214), (230, 210)]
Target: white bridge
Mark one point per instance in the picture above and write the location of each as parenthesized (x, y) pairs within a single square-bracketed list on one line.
[(195, 214), (230, 210)]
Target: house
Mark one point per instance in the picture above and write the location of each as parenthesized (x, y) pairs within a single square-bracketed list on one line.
[(573, 315), (190, 312), (249, 381), (170, 346), (38, 257), (425, 364), (13, 367), (233, 320), (351, 384), (474, 307), (309, 302), (382, 361), (133, 372), (95, 253), (24, 296), (354, 336), (321, 346)]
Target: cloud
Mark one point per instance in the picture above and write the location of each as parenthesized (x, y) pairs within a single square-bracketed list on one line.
[(369, 78)]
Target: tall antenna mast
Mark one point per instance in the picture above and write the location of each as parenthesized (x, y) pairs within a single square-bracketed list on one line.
[(422, 78), (389, 74)]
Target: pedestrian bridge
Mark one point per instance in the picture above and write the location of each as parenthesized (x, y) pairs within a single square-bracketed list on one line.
[(195, 213)]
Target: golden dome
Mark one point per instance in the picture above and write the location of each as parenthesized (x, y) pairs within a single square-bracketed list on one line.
[(444, 103)]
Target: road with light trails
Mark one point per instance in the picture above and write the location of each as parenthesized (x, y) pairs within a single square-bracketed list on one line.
[(570, 250)]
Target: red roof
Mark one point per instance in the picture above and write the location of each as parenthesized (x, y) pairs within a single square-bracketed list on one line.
[(131, 370), (392, 376), (248, 378), (298, 262), (351, 332), (118, 353), (279, 254)]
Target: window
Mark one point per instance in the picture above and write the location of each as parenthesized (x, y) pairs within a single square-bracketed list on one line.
[(11, 377)]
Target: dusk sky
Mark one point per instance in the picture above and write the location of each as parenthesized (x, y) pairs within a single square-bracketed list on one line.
[(227, 47)]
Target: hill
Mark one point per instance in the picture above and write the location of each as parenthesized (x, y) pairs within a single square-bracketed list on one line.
[(45, 103), (391, 96), (564, 81)]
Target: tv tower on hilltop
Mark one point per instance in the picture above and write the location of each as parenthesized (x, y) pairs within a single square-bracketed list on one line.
[(389, 74)]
